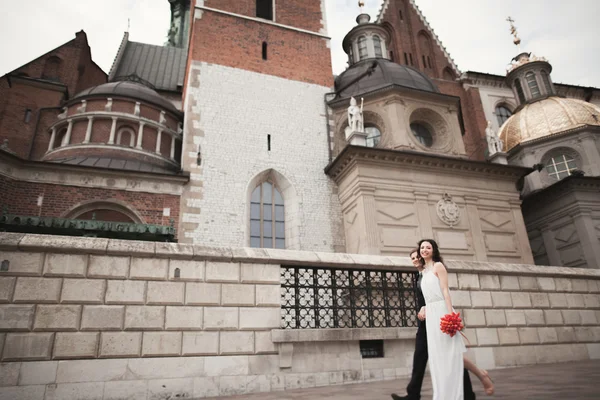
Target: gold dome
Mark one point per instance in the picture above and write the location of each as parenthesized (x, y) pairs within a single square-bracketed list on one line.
[(547, 117)]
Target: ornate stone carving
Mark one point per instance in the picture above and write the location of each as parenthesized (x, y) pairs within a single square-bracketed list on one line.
[(447, 210), (493, 142)]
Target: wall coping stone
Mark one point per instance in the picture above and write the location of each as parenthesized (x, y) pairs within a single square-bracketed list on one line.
[(114, 247), (340, 334)]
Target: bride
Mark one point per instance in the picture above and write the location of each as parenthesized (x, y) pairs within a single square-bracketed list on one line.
[(445, 352)]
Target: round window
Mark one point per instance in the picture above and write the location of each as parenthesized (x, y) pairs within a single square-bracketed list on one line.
[(373, 136), (422, 134)]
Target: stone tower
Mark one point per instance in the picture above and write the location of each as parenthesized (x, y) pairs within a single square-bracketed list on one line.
[(180, 23), (256, 127)]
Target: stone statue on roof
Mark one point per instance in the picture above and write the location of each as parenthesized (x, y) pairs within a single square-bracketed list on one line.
[(355, 116)]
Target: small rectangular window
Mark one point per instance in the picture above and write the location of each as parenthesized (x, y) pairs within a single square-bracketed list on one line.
[(264, 51), (371, 348), (264, 9), (411, 60), (27, 117), (405, 58), (424, 62), (269, 142)]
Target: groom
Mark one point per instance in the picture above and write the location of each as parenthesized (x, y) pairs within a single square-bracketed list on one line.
[(421, 355)]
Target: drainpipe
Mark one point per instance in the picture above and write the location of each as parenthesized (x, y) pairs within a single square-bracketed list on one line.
[(37, 123)]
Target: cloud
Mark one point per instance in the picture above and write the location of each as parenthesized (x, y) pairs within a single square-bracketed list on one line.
[(474, 32)]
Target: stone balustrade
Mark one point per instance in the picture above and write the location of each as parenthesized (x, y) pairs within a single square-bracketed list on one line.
[(100, 318)]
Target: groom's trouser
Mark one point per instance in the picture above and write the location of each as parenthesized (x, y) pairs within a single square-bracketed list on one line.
[(420, 363)]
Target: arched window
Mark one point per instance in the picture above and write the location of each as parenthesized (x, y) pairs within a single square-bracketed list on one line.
[(267, 222), (502, 113), (362, 48), (448, 74), (126, 136), (520, 92), (422, 133), (60, 138), (560, 166), (51, 68), (373, 136), (532, 83), (377, 46), (547, 84)]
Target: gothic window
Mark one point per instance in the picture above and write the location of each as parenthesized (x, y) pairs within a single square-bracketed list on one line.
[(532, 83), (362, 48), (27, 116), (560, 166), (264, 9), (547, 84), (422, 133), (51, 68), (373, 136), (267, 226), (502, 113), (377, 46), (520, 92)]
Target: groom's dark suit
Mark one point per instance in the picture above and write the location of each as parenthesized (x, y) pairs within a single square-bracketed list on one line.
[(420, 360)]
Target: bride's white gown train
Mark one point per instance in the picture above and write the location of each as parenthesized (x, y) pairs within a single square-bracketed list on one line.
[(445, 353)]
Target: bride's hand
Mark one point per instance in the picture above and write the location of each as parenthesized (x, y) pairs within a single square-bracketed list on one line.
[(421, 314)]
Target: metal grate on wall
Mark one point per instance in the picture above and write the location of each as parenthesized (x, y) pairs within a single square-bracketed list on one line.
[(314, 298)]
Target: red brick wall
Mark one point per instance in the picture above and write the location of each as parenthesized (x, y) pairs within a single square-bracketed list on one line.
[(75, 70), (230, 41), (21, 198), (304, 14), (17, 99)]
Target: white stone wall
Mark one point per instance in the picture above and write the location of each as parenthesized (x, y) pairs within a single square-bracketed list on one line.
[(84, 318), (230, 112)]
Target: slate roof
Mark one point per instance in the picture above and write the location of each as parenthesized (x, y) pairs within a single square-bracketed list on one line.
[(115, 163), (162, 66)]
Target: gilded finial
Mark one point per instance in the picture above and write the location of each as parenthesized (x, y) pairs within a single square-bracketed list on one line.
[(513, 31), (361, 4)]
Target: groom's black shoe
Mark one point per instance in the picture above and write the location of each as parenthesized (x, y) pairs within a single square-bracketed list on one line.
[(396, 397)]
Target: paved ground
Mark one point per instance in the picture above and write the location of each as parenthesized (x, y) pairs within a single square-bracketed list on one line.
[(576, 380)]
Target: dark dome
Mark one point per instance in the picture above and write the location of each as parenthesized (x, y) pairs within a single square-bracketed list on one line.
[(386, 73), (129, 89)]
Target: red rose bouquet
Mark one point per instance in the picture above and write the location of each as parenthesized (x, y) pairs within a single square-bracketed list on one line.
[(451, 323)]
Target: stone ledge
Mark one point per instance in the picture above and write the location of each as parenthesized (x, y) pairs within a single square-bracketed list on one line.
[(340, 334), (114, 247)]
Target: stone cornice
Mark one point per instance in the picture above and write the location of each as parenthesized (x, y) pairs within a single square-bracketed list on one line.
[(567, 185), (18, 169), (352, 154), (402, 92), (41, 83), (133, 248), (552, 136)]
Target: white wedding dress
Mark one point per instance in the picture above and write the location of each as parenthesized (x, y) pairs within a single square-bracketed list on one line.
[(445, 353)]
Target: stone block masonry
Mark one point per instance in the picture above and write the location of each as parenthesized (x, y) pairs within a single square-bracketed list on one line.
[(100, 325)]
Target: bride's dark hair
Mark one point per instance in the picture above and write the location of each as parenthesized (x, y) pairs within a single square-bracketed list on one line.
[(435, 256)]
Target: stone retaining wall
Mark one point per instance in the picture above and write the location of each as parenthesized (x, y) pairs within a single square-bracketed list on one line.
[(107, 319)]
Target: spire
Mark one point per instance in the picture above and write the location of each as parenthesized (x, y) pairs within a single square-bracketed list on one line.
[(513, 31)]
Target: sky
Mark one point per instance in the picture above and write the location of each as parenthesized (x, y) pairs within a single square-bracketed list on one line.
[(474, 32)]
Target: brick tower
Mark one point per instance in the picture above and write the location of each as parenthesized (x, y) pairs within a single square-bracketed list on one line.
[(415, 44), (256, 126)]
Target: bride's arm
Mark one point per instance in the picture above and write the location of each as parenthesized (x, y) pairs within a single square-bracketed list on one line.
[(442, 274)]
